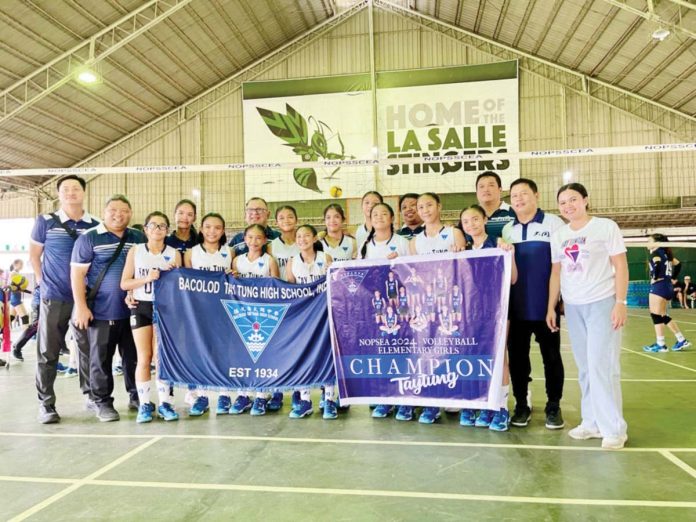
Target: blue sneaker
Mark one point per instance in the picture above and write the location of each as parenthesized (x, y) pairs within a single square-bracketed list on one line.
[(500, 421), (167, 412), (302, 409), (429, 415), (680, 345), (223, 405), (330, 410), (295, 399), (484, 419), (655, 348), (404, 413), (467, 418), (199, 407), (259, 407), (276, 402), (241, 404), (61, 368), (144, 413), (72, 372), (382, 410)]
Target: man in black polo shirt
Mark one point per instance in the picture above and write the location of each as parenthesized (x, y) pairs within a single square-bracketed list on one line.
[(255, 212), (412, 223)]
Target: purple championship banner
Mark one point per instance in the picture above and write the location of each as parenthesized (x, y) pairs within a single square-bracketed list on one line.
[(421, 330)]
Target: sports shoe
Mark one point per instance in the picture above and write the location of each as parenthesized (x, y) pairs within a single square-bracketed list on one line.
[(70, 372), (90, 405), (429, 415), (144, 414), (521, 416), (655, 348), (241, 404), (678, 346), (61, 368), (107, 413), (529, 399), (167, 412), (118, 370), (404, 413), (302, 409), (582, 433), (381, 411), (276, 402), (467, 417), (223, 405), (48, 414), (199, 407), (330, 410), (614, 443), (17, 354), (295, 399), (259, 407), (554, 418), (500, 421), (484, 419)]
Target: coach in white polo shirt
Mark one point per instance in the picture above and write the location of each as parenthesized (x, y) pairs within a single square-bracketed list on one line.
[(530, 232)]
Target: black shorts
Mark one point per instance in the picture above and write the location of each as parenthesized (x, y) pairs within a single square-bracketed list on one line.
[(141, 315)]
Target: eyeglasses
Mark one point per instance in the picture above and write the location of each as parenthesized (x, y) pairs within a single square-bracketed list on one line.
[(155, 226), (256, 210)]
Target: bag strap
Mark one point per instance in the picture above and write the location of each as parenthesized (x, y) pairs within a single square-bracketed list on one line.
[(93, 291), (69, 230)]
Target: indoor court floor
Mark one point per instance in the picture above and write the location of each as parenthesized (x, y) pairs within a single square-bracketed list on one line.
[(357, 468)]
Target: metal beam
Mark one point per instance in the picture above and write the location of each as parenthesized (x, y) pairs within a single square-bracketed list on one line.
[(59, 71), (650, 15)]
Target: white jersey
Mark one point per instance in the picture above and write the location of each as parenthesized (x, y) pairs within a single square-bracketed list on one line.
[(361, 235), (309, 272), (283, 252), (260, 267), (216, 262), (343, 251), (436, 244), (382, 249), (145, 260)]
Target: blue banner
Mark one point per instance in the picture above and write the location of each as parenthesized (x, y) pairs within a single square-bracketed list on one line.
[(220, 332), (421, 330)]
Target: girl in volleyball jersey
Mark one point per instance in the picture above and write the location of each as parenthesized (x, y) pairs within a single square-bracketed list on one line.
[(306, 267), (435, 238), (430, 303), (456, 303), (440, 285), (390, 322), (414, 287), (340, 246), (369, 200), (283, 248), (447, 324), (402, 305), (144, 263), (473, 221), (212, 254), (383, 243), (378, 306), (255, 263), (419, 322), (392, 287)]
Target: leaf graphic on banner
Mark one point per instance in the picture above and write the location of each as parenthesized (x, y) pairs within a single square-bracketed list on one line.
[(290, 127), (306, 178)]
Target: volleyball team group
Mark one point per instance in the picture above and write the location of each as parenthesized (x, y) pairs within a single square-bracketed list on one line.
[(96, 282)]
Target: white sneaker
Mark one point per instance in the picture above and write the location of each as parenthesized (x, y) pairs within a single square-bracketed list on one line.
[(614, 443), (582, 433), (452, 410)]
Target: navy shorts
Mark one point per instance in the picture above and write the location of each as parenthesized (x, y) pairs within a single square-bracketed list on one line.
[(141, 315), (15, 298), (663, 289)]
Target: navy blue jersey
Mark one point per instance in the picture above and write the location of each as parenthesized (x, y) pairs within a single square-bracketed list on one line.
[(409, 232), (391, 287), (456, 302), (237, 243), (403, 302), (390, 320), (377, 304), (182, 246), (660, 265), (489, 242), (498, 219)]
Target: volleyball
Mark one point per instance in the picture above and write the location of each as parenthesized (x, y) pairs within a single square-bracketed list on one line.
[(18, 283), (336, 191)]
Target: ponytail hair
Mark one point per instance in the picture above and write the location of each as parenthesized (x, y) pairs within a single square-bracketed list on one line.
[(223, 238), (661, 238), (318, 247), (371, 235)]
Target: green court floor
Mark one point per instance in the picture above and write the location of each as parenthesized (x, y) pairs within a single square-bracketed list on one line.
[(357, 468)]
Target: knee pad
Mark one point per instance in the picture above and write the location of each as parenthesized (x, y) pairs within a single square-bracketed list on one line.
[(656, 319), (666, 319), (25, 320)]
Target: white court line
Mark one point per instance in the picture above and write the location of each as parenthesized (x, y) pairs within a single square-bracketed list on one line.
[(388, 493), (678, 320), (679, 462), (366, 442), (653, 358), (81, 482)]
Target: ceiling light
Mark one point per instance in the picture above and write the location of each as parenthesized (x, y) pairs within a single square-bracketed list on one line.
[(87, 76), (660, 34)]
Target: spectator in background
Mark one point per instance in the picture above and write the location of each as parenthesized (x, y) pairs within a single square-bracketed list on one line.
[(689, 291), (489, 193), (678, 288)]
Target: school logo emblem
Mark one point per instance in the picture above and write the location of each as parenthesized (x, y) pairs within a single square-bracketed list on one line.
[(167, 258), (255, 323), (444, 236), (573, 252), (352, 279)]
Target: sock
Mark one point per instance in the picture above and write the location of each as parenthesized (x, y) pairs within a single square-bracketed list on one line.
[(504, 394), (680, 336), (661, 340), (201, 392), (304, 394), (143, 391), (263, 395), (163, 392), (330, 393)]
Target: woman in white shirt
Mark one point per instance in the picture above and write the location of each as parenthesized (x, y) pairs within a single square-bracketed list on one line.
[(590, 271)]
